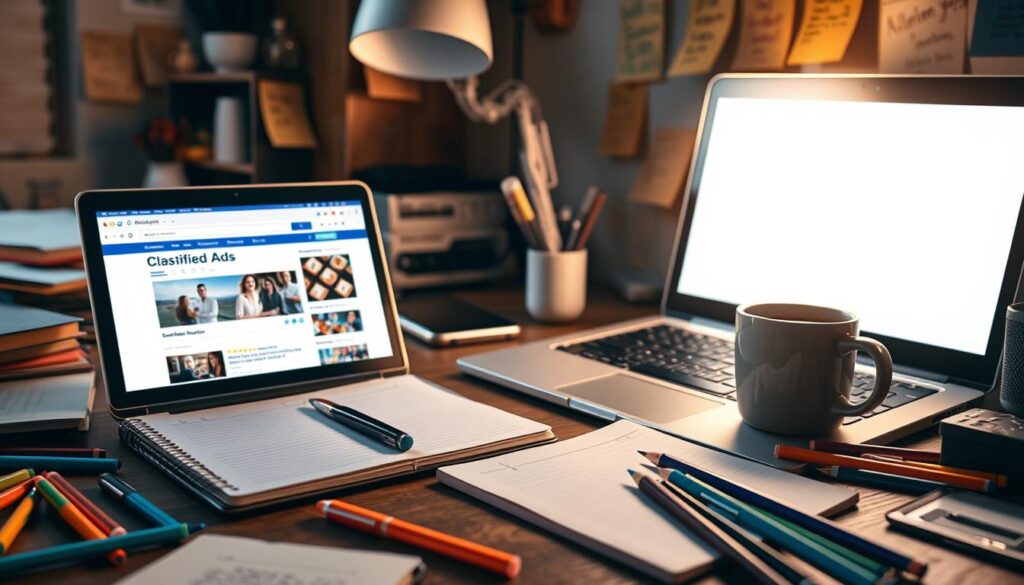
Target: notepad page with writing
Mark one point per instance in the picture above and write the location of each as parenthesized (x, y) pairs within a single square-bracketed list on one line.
[(580, 489), (265, 445)]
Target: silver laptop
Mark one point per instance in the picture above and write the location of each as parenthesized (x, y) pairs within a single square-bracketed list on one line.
[(897, 198)]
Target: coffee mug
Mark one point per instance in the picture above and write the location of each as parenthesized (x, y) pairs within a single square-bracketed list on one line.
[(794, 367)]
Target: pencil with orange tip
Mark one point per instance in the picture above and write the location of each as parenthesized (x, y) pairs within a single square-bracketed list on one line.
[(12, 528), (485, 557), (75, 519), (14, 493), (819, 458)]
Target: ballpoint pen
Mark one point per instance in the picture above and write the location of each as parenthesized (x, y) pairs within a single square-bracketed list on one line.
[(364, 424)]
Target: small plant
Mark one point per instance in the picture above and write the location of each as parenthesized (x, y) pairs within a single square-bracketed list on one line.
[(160, 139)]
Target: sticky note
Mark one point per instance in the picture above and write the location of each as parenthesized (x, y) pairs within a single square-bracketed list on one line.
[(922, 36), (707, 29), (625, 119), (825, 31), (664, 171), (641, 40), (765, 29)]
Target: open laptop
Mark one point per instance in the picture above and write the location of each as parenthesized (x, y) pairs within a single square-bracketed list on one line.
[(896, 198)]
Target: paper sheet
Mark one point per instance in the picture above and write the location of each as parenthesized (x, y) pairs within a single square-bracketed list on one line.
[(765, 29), (664, 171), (624, 120), (381, 86), (212, 559), (922, 36), (825, 31), (580, 489), (707, 29), (283, 107), (641, 40), (108, 68)]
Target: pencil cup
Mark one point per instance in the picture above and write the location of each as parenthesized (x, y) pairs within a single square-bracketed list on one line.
[(556, 285)]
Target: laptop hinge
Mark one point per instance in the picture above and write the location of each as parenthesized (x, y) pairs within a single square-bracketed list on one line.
[(265, 393)]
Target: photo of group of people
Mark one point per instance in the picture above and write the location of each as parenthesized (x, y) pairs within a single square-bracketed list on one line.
[(328, 277), (344, 354), (198, 301), (196, 366), (337, 322)]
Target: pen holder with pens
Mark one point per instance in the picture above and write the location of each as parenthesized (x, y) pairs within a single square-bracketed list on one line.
[(556, 284)]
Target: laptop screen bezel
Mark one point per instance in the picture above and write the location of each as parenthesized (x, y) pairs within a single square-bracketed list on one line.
[(180, 397), (979, 371)]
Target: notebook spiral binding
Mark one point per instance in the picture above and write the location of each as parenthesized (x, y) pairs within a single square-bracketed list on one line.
[(152, 445)]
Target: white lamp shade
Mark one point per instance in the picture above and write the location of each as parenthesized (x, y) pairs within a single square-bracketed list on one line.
[(423, 39)]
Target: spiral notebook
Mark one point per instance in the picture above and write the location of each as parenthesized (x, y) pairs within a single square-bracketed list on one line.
[(259, 453)]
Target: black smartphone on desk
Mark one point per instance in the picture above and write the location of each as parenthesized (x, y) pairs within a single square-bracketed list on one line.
[(443, 321)]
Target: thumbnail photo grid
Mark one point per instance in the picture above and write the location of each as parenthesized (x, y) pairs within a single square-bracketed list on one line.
[(343, 354), (214, 299), (328, 277), (196, 366), (337, 322)]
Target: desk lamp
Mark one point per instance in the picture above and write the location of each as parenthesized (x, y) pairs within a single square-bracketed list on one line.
[(434, 40)]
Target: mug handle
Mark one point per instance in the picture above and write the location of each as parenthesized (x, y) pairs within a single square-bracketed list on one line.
[(883, 375)]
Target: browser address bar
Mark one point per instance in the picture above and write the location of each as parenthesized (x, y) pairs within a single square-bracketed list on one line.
[(221, 230)]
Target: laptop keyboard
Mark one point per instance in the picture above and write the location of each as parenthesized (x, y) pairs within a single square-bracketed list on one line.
[(705, 363)]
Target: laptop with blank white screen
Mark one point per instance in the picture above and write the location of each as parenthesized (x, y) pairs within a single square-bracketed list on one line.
[(896, 198)]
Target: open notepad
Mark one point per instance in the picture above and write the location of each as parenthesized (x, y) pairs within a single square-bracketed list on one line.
[(580, 489), (263, 452)]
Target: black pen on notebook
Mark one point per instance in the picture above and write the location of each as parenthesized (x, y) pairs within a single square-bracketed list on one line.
[(363, 423)]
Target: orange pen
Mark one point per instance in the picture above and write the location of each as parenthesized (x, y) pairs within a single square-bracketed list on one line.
[(74, 517), (12, 528), (1001, 480), (390, 527), (87, 507), (13, 494)]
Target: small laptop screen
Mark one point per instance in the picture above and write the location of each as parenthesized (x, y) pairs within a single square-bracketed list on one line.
[(200, 294), (902, 213)]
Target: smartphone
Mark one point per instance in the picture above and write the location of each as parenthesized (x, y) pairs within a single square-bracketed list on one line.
[(445, 321)]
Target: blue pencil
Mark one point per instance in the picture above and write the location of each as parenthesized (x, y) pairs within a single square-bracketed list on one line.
[(886, 481), (86, 549), (815, 524), (65, 465), (128, 495)]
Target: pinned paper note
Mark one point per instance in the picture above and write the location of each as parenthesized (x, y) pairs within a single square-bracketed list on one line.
[(922, 36), (661, 178), (765, 29), (624, 120), (641, 40), (825, 31), (283, 108), (108, 67), (1000, 32), (706, 32)]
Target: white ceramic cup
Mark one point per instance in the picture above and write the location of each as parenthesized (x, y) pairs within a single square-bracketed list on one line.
[(229, 51), (229, 144), (556, 285)]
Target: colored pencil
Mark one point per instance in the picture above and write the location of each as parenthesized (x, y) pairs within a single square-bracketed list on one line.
[(15, 478), (76, 519), (886, 481), (14, 493), (946, 477), (685, 512), (86, 549), (131, 497), (92, 511), (840, 448), (88, 452), (816, 524), (12, 528), (1000, 480), (517, 216), (752, 519), (78, 465), (527, 212), (590, 221), (454, 547)]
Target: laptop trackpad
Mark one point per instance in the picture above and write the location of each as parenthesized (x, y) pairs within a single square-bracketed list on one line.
[(639, 398)]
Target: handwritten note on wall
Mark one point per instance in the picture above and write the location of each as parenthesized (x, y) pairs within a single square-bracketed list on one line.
[(283, 107), (922, 36), (765, 29), (998, 29), (624, 120), (825, 31), (664, 171), (706, 32), (108, 68), (641, 40)]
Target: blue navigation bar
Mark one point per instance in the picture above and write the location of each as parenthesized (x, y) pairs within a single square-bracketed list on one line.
[(134, 212), (180, 245)]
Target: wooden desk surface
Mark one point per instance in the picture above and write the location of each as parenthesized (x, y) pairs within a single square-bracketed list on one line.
[(546, 559)]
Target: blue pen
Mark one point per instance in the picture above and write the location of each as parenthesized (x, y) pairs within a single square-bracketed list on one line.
[(821, 557), (87, 549), (65, 465), (120, 489), (815, 524)]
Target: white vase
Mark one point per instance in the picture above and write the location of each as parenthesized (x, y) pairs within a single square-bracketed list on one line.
[(229, 51), (165, 174), (229, 144)]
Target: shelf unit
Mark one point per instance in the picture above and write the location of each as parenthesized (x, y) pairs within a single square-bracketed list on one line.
[(191, 97)]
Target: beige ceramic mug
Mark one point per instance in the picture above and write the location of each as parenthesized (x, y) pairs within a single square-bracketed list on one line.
[(794, 367)]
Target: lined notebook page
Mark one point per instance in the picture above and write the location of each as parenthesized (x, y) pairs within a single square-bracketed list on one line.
[(580, 489), (275, 443)]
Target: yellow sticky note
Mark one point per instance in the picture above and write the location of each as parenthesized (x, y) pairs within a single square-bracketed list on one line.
[(664, 171), (641, 40), (825, 31), (283, 107), (922, 36), (707, 29), (765, 29)]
